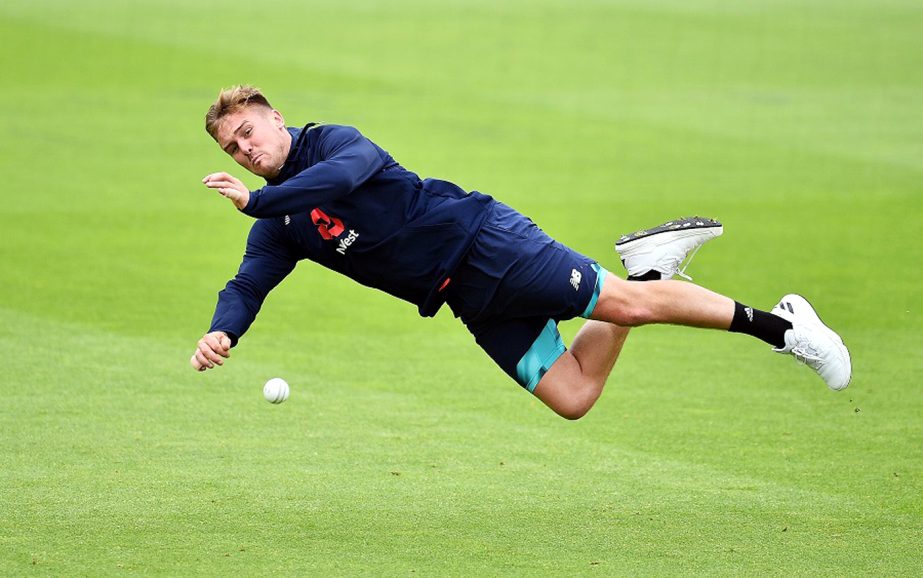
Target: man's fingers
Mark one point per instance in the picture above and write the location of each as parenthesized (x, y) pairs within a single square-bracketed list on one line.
[(214, 342), (225, 343), (202, 361), (209, 354), (210, 350), (221, 185), (222, 180), (229, 187), (215, 176)]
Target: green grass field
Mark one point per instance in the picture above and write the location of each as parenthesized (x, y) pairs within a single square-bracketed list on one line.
[(403, 450)]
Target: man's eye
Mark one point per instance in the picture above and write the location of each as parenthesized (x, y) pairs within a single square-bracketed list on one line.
[(248, 131)]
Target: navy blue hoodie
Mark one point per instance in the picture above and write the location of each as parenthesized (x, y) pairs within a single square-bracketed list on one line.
[(343, 202)]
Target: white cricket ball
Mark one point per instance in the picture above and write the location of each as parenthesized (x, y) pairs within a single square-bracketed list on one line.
[(275, 390)]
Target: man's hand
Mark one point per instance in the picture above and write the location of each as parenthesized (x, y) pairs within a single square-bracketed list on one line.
[(229, 187), (211, 349)]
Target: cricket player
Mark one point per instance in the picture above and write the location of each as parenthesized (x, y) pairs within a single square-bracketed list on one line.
[(334, 197)]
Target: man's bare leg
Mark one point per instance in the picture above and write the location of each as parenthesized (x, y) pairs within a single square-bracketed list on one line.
[(576, 380), (632, 304)]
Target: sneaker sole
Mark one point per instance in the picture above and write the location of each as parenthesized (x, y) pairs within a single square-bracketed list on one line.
[(685, 224), (844, 352)]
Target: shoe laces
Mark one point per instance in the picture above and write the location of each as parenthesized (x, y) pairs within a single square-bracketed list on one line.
[(807, 355), (682, 272)]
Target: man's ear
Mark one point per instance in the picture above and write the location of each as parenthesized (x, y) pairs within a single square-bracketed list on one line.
[(277, 119)]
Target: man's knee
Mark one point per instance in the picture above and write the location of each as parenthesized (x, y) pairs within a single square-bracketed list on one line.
[(576, 407), (571, 396), (623, 303)]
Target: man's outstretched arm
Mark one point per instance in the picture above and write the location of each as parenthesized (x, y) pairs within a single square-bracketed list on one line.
[(267, 261)]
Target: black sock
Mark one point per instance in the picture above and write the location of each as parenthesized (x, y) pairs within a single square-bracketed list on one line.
[(651, 275), (760, 324)]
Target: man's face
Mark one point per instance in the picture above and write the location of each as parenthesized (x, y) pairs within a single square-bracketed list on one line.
[(257, 139)]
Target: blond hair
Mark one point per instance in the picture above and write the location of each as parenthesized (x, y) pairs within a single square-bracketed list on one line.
[(231, 100)]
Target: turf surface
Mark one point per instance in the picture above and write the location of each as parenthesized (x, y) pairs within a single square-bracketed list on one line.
[(402, 450)]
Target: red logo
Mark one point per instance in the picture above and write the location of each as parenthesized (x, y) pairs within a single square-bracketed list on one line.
[(328, 227)]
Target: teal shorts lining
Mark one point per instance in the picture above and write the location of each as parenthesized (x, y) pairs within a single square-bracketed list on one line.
[(600, 278), (546, 349)]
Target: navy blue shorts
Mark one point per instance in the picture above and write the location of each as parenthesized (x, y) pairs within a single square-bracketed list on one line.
[(514, 286)]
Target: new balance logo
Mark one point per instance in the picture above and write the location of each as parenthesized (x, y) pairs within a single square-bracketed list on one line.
[(749, 312), (288, 220), (575, 278)]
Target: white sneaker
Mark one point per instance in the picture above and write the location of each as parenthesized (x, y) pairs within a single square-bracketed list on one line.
[(664, 248), (813, 343)]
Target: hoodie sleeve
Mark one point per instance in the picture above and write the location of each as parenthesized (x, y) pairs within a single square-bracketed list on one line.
[(267, 261), (348, 159)]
